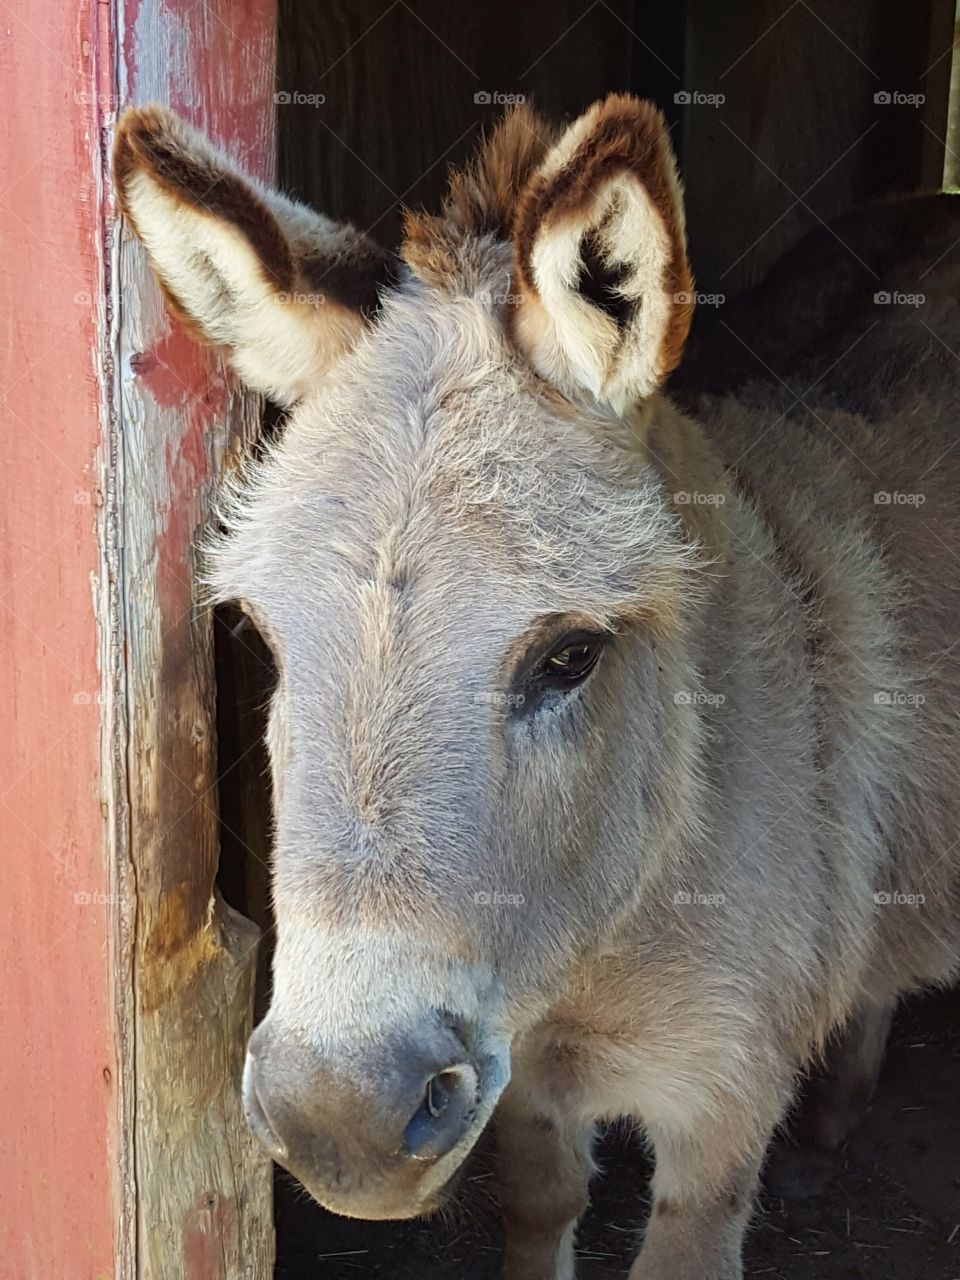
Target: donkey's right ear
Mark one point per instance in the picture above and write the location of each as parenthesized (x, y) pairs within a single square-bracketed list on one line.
[(284, 289)]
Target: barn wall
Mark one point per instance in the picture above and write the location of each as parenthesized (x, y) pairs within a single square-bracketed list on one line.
[(62, 1165), (800, 136), (383, 97)]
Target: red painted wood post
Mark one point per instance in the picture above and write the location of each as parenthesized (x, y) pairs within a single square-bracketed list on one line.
[(127, 985), (64, 1155)]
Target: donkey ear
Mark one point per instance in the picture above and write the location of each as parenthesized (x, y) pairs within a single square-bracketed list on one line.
[(605, 291), (283, 288)]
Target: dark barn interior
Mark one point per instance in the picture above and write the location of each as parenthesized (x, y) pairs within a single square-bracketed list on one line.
[(783, 116)]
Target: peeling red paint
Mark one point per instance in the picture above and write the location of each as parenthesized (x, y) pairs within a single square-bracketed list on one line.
[(205, 1228), (179, 374), (185, 378), (203, 1208), (182, 375)]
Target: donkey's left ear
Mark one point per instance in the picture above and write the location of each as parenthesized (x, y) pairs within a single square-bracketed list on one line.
[(605, 290), (285, 290)]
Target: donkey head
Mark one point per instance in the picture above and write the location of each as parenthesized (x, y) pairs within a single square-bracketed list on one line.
[(468, 572)]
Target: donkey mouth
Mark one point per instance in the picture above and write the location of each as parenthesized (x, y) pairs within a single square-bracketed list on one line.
[(392, 1207), (444, 1196)]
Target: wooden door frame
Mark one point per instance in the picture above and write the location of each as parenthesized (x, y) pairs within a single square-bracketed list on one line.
[(202, 1186)]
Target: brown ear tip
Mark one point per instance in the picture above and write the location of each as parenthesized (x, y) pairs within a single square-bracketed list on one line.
[(628, 105), (147, 121), (630, 127), (140, 128), (127, 144)]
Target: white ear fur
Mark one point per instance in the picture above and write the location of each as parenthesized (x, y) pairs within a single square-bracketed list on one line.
[(607, 196), (245, 267)]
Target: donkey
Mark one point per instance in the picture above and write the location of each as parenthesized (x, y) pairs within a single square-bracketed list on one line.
[(614, 750)]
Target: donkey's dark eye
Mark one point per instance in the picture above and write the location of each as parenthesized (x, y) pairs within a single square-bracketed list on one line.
[(572, 659)]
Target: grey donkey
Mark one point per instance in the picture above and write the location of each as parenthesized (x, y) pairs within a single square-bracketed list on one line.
[(614, 748)]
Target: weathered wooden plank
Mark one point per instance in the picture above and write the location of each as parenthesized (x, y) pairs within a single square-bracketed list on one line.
[(800, 136), (64, 1158), (203, 1187), (936, 162), (406, 88), (951, 159)]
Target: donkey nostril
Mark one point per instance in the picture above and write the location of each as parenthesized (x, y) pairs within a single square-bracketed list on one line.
[(445, 1113), (439, 1092)]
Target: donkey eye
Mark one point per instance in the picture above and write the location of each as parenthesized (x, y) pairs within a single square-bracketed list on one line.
[(572, 659)]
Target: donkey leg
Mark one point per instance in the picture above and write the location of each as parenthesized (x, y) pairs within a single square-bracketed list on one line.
[(544, 1169), (831, 1102), (697, 1222)]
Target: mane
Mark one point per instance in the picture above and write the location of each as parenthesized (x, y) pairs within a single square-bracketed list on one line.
[(480, 203), (482, 197)]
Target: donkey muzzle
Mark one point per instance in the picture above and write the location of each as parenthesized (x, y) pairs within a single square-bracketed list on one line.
[(371, 1133)]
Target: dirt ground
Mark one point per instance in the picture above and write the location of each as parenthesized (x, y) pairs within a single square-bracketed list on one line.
[(891, 1212)]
